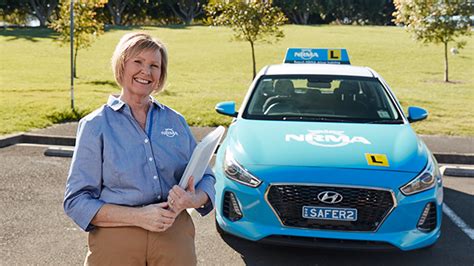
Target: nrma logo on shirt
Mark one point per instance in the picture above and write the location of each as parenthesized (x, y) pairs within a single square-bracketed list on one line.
[(326, 138), (169, 132)]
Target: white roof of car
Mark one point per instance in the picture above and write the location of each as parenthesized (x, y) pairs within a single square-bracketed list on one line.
[(317, 69)]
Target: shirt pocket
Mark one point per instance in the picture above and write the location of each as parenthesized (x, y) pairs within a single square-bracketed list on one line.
[(172, 157), (123, 169), (122, 175)]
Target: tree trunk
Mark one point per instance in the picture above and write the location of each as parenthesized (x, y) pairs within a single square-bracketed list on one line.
[(76, 49), (42, 10), (185, 11), (38, 12), (117, 19), (188, 20), (294, 17), (446, 79), (116, 9), (300, 17), (305, 18), (113, 12), (42, 20), (253, 60)]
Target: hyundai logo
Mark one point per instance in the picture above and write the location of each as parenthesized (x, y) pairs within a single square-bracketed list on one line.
[(330, 197)]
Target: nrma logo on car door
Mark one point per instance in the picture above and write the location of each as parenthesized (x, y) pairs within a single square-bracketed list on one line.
[(326, 138)]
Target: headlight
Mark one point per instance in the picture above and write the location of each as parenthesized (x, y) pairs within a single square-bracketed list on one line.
[(425, 180), (236, 172)]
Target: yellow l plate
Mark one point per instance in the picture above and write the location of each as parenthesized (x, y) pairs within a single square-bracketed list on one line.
[(334, 54), (376, 159)]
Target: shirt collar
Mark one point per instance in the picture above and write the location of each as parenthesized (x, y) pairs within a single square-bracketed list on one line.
[(115, 103)]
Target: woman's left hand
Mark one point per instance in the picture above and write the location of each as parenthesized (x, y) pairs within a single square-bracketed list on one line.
[(180, 199)]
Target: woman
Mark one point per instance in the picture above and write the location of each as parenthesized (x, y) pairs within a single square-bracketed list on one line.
[(129, 157)]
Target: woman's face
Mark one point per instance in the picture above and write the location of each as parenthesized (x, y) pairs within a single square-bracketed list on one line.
[(142, 73)]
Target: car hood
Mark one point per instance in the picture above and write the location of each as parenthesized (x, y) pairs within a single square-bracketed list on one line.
[(323, 144)]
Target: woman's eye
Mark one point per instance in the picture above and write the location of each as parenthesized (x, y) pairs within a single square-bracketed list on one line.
[(137, 61), (156, 66)]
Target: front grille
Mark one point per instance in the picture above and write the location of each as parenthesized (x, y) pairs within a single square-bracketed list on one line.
[(427, 222), (372, 206)]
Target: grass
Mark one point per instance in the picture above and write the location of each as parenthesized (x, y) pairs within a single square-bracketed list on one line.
[(206, 68)]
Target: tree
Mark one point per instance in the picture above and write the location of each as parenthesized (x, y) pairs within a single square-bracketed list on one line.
[(435, 21), (86, 26), (16, 11), (251, 22), (42, 9), (13, 12), (299, 11), (116, 8), (186, 10), (362, 12)]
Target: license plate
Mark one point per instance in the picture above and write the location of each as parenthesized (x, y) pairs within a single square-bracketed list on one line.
[(324, 213)]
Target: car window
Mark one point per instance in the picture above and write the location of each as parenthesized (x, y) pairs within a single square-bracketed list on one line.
[(329, 98)]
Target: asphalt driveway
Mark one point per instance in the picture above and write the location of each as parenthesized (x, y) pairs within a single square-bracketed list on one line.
[(35, 229)]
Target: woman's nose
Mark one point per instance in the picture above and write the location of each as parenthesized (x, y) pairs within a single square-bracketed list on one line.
[(146, 70)]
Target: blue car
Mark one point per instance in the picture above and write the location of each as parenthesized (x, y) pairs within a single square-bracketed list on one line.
[(321, 154)]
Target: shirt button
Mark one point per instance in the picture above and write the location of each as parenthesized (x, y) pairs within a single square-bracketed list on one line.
[(146, 140), (159, 197), (150, 159), (155, 177)]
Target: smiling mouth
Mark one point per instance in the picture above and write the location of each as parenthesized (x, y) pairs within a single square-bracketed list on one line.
[(142, 81)]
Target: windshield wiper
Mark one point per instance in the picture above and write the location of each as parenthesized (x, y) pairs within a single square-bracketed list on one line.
[(385, 121), (316, 118)]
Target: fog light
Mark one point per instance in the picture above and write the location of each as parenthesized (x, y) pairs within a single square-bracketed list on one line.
[(427, 221), (231, 208)]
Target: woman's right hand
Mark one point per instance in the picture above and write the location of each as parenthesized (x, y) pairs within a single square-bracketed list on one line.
[(156, 217)]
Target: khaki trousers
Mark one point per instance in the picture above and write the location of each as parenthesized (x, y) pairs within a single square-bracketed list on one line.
[(137, 246)]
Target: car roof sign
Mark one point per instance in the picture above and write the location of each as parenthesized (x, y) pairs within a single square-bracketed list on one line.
[(317, 56)]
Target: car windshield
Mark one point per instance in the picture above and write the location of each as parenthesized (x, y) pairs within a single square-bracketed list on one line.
[(322, 98)]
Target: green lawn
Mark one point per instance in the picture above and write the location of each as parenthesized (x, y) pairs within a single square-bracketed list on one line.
[(206, 68)]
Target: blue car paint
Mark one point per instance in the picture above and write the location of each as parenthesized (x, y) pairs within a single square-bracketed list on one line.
[(327, 154), (303, 163), (226, 108), (416, 113), (257, 142), (259, 220)]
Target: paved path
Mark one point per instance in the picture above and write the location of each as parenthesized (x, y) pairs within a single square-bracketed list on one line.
[(437, 144), (35, 230)]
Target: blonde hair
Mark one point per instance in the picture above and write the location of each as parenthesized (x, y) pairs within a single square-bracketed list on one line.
[(132, 44)]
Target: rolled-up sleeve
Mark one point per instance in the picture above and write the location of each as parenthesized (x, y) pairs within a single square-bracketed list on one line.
[(83, 186), (207, 185)]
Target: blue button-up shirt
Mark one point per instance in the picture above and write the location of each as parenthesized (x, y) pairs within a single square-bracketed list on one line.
[(115, 161)]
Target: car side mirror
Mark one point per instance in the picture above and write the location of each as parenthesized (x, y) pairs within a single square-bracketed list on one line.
[(416, 114), (226, 108)]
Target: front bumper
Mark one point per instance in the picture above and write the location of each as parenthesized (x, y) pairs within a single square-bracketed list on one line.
[(261, 223)]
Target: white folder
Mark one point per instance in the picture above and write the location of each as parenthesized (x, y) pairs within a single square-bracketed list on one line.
[(201, 157)]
